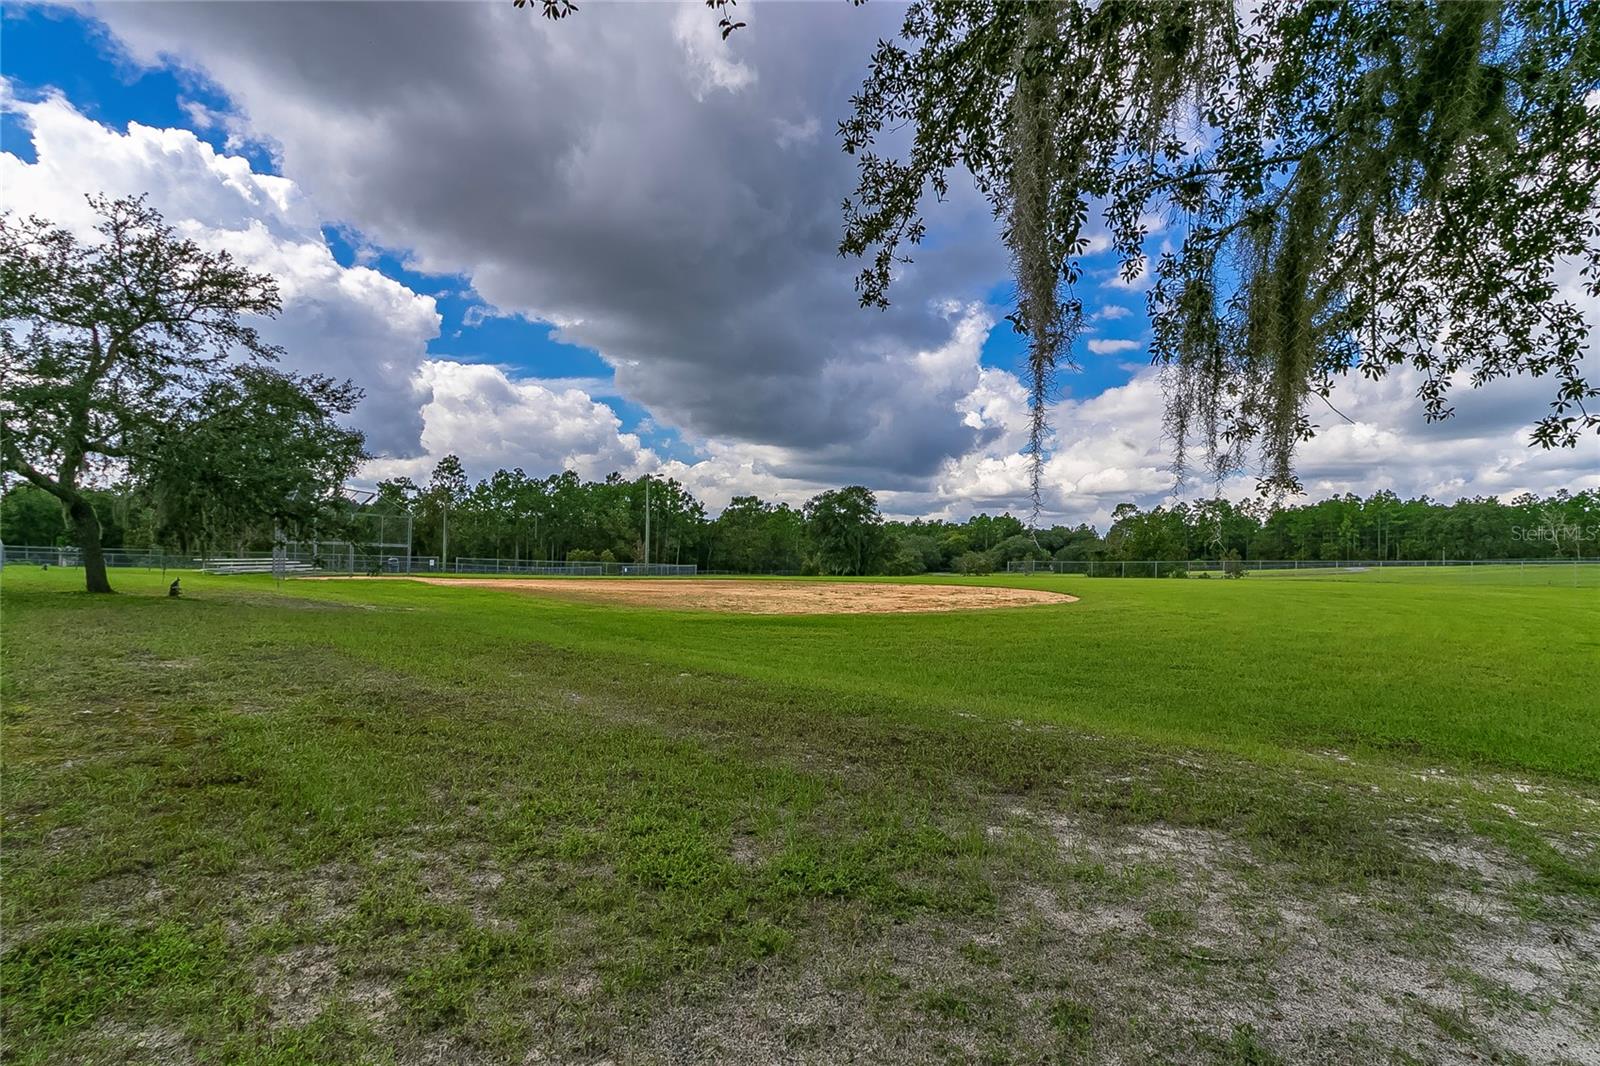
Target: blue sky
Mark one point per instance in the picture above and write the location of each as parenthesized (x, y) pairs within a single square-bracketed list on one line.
[(60, 50), (481, 337), (671, 200), (70, 52), (75, 54)]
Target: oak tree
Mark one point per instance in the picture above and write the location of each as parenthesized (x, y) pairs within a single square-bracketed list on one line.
[(102, 340), (258, 451)]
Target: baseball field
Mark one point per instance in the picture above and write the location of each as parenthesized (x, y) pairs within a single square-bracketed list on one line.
[(1006, 819)]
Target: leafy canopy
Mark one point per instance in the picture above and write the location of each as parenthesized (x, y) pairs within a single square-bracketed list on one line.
[(258, 447), (1349, 186), (116, 331), (846, 530), (111, 350)]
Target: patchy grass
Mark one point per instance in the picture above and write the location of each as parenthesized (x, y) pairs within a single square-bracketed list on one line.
[(373, 821)]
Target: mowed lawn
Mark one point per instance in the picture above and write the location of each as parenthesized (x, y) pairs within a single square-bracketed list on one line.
[(1186, 821)]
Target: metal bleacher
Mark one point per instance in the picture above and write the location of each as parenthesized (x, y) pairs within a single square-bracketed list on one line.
[(256, 566)]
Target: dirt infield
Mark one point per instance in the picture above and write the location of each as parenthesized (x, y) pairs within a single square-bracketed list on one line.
[(769, 597)]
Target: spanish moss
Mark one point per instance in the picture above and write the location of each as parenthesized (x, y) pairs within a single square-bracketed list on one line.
[(1342, 189)]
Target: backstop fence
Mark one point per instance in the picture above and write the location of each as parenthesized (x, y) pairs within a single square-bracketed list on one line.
[(571, 568)]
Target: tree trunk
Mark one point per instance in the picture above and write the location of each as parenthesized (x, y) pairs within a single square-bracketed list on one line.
[(87, 526)]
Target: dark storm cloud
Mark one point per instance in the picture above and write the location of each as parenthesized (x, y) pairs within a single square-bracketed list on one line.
[(668, 200)]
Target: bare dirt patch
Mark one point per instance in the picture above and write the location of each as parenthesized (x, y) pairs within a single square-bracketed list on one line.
[(769, 597), (298, 983), (1230, 942), (122, 1042)]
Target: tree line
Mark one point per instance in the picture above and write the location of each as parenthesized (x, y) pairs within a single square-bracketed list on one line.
[(130, 361), (511, 515)]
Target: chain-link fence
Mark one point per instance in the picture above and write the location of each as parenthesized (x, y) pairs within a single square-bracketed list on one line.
[(351, 559), (329, 558), (1575, 572), (527, 567), (571, 568), (142, 558)]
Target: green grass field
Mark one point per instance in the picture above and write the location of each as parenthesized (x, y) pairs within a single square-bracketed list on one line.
[(1185, 821), (1532, 573)]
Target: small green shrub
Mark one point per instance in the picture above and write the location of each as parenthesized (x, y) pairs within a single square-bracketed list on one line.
[(973, 563)]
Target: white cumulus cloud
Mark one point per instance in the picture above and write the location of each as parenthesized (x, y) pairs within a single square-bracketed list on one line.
[(345, 321), (491, 420), (1107, 346)]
